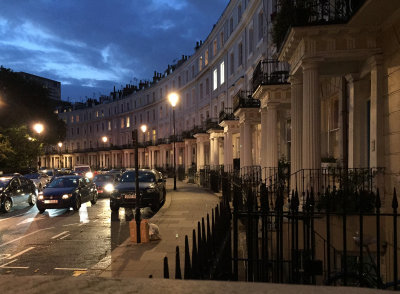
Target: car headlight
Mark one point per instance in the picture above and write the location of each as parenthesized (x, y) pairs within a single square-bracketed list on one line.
[(40, 197), (66, 196), (89, 175), (109, 188)]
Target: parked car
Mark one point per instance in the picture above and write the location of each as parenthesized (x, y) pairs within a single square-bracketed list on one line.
[(15, 189), (39, 179), (152, 190), (83, 170), (116, 172), (105, 183), (66, 192)]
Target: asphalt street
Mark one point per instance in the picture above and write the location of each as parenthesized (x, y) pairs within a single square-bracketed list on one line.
[(59, 241)]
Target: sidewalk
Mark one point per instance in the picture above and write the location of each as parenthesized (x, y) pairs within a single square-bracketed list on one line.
[(178, 217)]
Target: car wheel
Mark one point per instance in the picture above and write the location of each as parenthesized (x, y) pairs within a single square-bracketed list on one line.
[(32, 199), (42, 210), (94, 200), (6, 207), (77, 204)]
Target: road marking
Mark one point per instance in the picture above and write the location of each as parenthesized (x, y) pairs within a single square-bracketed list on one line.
[(4, 256), (65, 236), (71, 224), (19, 238), (56, 236), (31, 219), (11, 217), (70, 269), (13, 267), (78, 273), (20, 253)]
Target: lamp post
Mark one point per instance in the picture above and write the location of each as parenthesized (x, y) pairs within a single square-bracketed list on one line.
[(60, 144), (138, 217), (173, 100), (143, 128), (104, 139), (38, 128)]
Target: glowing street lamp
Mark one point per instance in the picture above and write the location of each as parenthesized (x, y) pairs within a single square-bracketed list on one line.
[(60, 144), (173, 99), (38, 128), (143, 128), (105, 139)]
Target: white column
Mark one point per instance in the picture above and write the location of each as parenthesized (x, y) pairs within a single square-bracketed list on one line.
[(247, 144), (212, 151), (200, 154), (216, 151), (264, 138), (377, 144), (311, 118), (272, 135), (228, 152)]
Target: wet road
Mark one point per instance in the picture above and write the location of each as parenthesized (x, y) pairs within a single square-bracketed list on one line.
[(59, 241)]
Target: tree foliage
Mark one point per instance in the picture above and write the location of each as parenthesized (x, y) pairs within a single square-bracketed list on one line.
[(23, 103)]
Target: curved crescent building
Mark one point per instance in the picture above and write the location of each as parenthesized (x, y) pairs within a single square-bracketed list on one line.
[(326, 97)]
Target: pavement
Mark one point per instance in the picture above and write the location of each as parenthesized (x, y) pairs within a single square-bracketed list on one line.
[(178, 217)]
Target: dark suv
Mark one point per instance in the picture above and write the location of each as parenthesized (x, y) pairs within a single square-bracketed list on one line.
[(151, 186), (15, 189)]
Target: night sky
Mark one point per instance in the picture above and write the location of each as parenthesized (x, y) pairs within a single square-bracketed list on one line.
[(90, 46)]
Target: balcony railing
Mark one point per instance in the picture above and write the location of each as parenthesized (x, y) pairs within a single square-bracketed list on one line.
[(294, 13), (243, 99), (227, 114), (270, 72)]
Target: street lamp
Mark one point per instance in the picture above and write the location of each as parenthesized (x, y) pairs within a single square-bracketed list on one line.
[(143, 128), (104, 139), (60, 146), (38, 128), (173, 100)]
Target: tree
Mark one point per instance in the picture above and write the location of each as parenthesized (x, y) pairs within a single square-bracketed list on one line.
[(24, 102)]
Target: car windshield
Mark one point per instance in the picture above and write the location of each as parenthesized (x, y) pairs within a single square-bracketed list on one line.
[(4, 182), (63, 183), (32, 176), (103, 178), (82, 169), (143, 177), (50, 173)]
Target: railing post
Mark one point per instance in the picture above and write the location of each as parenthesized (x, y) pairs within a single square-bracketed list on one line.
[(361, 234), (328, 232), (178, 274), (378, 236), (166, 270), (187, 269), (395, 205)]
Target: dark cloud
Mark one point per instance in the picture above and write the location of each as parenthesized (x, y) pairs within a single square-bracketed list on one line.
[(90, 46)]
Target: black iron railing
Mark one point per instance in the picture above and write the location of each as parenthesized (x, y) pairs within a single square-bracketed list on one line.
[(243, 99), (227, 114), (292, 13), (270, 72)]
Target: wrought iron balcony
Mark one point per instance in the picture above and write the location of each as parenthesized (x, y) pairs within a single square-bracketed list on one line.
[(270, 72), (211, 123), (294, 13), (243, 99), (226, 114)]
